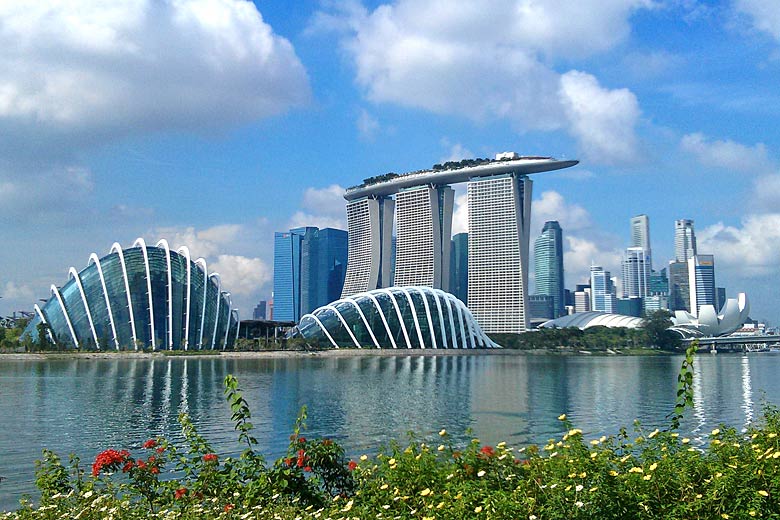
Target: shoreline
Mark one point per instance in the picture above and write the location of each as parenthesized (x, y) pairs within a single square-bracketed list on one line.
[(330, 353)]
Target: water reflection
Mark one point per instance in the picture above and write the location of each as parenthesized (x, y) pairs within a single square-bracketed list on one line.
[(86, 405)]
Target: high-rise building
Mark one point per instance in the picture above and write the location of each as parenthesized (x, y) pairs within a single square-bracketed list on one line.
[(679, 289), (640, 237), (582, 298), (424, 231), (459, 270), (541, 307), (602, 290), (684, 240), (370, 224), (259, 312), (720, 298), (636, 272), (701, 281), (309, 269), (548, 265), (499, 228)]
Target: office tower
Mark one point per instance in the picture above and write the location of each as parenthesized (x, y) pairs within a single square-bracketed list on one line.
[(548, 265), (259, 312), (701, 281), (541, 307), (684, 240), (499, 227), (640, 237), (309, 269), (602, 295), (370, 225), (459, 271), (629, 306), (424, 231), (582, 298), (658, 291), (679, 292), (720, 298), (636, 272)]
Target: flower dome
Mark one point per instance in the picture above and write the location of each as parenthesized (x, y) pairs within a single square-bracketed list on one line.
[(396, 317), (139, 298)]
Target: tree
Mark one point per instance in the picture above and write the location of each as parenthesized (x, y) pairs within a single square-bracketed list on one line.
[(656, 326)]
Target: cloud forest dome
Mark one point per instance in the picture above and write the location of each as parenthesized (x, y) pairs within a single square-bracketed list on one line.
[(396, 317), (139, 298)]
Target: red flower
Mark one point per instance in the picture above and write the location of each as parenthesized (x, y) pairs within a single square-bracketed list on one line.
[(301, 452), (352, 465), (289, 461), (109, 459), (151, 443), (301, 462), (141, 464), (127, 467), (487, 451), (302, 440), (228, 507), (155, 470), (179, 493), (307, 468), (210, 457), (161, 449)]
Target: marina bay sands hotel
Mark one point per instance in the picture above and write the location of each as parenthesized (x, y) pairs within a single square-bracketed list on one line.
[(499, 208)]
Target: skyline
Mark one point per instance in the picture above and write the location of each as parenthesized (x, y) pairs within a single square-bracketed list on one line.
[(221, 123)]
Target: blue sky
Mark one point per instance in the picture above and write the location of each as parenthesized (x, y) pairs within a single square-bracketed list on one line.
[(215, 123)]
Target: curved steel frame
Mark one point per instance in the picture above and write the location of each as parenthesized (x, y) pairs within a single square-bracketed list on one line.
[(170, 290), (116, 248), (56, 292), (185, 251), (140, 242), (94, 258), (75, 275)]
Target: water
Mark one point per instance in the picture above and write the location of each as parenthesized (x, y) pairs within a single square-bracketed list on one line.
[(87, 405)]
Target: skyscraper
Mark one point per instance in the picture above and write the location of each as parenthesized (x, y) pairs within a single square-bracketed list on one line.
[(548, 265), (640, 237), (701, 280), (259, 312), (309, 269), (370, 224), (679, 289), (602, 290), (499, 228), (459, 271), (636, 273), (684, 240)]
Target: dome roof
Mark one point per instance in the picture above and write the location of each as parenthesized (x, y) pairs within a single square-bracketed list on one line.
[(396, 317), (584, 320), (139, 297)]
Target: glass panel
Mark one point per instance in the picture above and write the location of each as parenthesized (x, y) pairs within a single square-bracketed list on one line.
[(117, 297), (93, 289), (77, 313), (158, 269), (136, 276)]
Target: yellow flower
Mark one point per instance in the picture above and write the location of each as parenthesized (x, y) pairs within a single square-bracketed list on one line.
[(441, 447), (574, 431), (594, 455), (478, 509), (675, 435), (594, 442), (636, 469), (653, 434), (715, 431), (364, 457), (383, 486), (763, 493), (686, 440), (425, 492), (724, 515), (752, 513), (613, 473), (653, 466), (698, 495), (562, 417), (391, 461), (501, 444), (583, 475), (443, 432), (591, 490), (347, 507), (647, 477), (772, 435), (481, 473)]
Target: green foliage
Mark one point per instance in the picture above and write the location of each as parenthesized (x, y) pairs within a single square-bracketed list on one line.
[(656, 326), (684, 386)]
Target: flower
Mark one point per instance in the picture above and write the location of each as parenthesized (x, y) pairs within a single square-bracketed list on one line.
[(352, 465), (141, 464), (487, 451), (716, 431), (160, 449), (763, 493), (155, 470), (562, 417), (327, 442), (289, 461), (228, 507), (210, 457), (364, 457), (425, 492), (179, 493), (307, 468), (109, 459), (442, 432), (478, 509), (151, 443), (302, 440)]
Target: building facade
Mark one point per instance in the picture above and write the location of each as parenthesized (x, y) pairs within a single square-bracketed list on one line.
[(548, 265), (138, 298), (369, 260), (640, 237), (459, 267), (260, 311), (602, 290), (636, 273), (679, 288), (684, 240), (499, 228), (701, 282)]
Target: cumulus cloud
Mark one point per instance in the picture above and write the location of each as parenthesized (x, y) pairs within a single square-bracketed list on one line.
[(322, 207), (763, 14), (552, 206), (18, 293), (241, 275), (728, 154), (752, 249), (581, 252), (206, 242), (491, 59)]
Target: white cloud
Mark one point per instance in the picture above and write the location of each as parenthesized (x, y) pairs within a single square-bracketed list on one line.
[(241, 276), (460, 214), (728, 154), (491, 59), (207, 243), (602, 120), (764, 15), (302, 219), (552, 206), (580, 253), (457, 152), (20, 293), (648, 65), (752, 249), (322, 207)]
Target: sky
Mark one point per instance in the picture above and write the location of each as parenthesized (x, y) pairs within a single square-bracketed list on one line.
[(214, 123)]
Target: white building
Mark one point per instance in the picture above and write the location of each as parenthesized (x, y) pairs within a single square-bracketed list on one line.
[(684, 240), (636, 272), (370, 227), (640, 237)]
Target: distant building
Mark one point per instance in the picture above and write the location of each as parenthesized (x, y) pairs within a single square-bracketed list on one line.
[(259, 312), (640, 237), (309, 269), (636, 272), (684, 240), (679, 291), (582, 298), (542, 307), (459, 269), (720, 298), (548, 265), (701, 281), (602, 296), (629, 306)]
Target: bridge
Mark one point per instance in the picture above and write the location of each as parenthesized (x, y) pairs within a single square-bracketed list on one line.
[(737, 343)]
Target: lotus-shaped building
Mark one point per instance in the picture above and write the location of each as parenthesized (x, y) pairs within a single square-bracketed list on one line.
[(396, 317), (139, 298), (732, 316)]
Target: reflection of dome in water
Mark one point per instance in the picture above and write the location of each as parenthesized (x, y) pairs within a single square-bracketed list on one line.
[(709, 323), (396, 317), (140, 297)]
